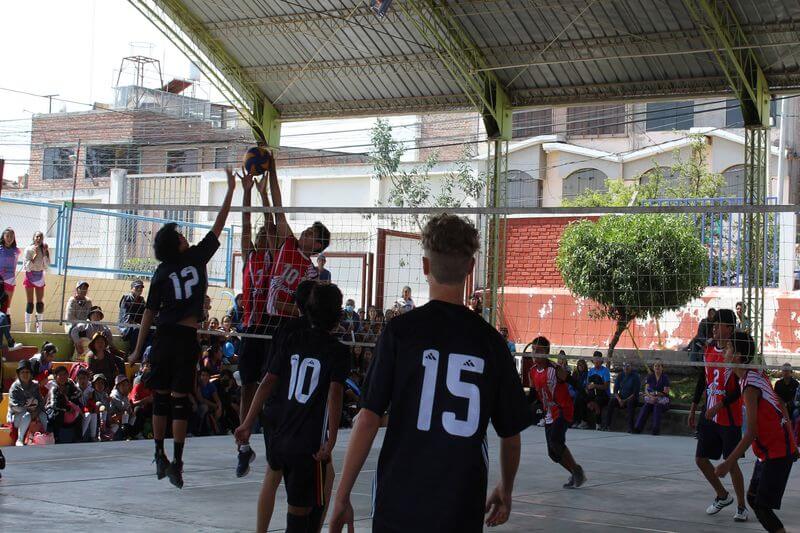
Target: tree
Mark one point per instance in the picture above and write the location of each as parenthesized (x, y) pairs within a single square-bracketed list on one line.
[(633, 266), (412, 187)]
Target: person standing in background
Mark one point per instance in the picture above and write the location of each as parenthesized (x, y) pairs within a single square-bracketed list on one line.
[(37, 257), (9, 254), (323, 274)]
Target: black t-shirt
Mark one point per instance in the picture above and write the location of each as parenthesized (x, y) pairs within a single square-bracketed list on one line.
[(445, 373), (287, 327), (178, 290), (306, 364), (786, 392)]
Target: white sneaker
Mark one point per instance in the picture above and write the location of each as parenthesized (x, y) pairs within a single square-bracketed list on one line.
[(719, 504), (541, 423), (19, 443), (17, 346), (741, 515)]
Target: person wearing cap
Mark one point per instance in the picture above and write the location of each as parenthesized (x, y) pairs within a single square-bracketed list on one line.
[(626, 396), (25, 402), (719, 426), (786, 388), (101, 360), (78, 306), (63, 408), (131, 310), (120, 410), (323, 274), (84, 331)]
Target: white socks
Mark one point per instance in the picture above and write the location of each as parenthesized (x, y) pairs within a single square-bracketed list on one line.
[(28, 318), (39, 322)]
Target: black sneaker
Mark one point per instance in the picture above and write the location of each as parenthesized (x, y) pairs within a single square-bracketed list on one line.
[(578, 477), (175, 474), (245, 458), (2, 461), (162, 465), (570, 484)]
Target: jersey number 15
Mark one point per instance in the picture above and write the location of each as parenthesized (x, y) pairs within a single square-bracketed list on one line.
[(456, 363)]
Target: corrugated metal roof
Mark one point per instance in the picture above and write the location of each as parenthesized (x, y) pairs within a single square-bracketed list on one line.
[(327, 58)]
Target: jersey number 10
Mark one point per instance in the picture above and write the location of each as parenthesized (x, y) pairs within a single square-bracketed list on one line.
[(297, 381), (189, 277), (456, 363)]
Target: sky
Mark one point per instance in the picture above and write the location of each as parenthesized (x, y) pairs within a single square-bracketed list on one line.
[(73, 48)]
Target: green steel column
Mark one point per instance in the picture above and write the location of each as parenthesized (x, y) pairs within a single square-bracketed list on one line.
[(495, 256), (755, 168)]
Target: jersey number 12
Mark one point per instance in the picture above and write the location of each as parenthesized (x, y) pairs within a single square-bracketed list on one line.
[(189, 277), (456, 363)]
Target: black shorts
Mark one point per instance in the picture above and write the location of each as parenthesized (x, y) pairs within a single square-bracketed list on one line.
[(173, 359), (253, 355), (715, 441), (769, 481), (303, 477), (555, 434)]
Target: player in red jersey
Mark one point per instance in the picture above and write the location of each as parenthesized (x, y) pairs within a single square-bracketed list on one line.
[(720, 425), (549, 380), (258, 256), (293, 261), (768, 430)]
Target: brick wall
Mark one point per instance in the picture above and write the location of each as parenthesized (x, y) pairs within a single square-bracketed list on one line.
[(531, 250), (447, 128)]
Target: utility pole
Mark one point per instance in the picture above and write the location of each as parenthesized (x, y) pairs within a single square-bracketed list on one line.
[(50, 102)]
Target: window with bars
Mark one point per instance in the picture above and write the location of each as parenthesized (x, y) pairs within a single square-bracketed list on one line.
[(596, 120), (532, 123), (101, 159), (669, 116), (580, 181), (56, 164), (183, 161), (522, 189)]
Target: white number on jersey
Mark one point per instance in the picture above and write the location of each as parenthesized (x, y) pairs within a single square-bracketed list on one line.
[(297, 380), (190, 277), (456, 363)]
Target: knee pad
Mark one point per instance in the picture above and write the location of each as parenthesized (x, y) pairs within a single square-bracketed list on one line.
[(40, 307), (181, 408), (29, 307), (296, 523), (161, 404)]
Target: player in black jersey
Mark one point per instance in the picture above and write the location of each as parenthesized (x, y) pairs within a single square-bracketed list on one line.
[(308, 370), (445, 373), (175, 304)]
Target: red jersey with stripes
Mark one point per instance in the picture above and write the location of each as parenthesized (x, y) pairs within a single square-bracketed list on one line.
[(553, 394), (774, 438), (255, 287), (720, 382), (290, 268)]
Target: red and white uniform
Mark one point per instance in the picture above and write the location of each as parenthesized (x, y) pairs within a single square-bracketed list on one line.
[(774, 437), (290, 268), (720, 382), (256, 287), (553, 394)]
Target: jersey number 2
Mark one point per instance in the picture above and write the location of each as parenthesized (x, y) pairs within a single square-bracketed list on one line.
[(297, 381), (456, 363), (190, 278)]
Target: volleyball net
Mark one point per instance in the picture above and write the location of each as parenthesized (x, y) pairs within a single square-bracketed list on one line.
[(642, 279)]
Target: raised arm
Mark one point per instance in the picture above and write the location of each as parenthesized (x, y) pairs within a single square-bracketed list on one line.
[(282, 228), (269, 218), (247, 232), (222, 215)]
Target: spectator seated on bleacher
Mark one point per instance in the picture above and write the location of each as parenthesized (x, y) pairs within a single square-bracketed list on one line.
[(212, 359), (626, 396), (101, 360), (209, 408), (656, 398), (63, 408), (101, 400), (229, 396), (78, 306), (25, 402), (89, 425), (352, 397), (83, 332), (42, 365), (141, 397), (131, 311), (120, 419)]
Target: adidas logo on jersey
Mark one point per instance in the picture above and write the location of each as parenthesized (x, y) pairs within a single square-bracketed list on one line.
[(468, 363), (430, 357)]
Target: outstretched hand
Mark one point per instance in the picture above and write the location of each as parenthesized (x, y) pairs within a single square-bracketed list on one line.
[(247, 182), (231, 178)]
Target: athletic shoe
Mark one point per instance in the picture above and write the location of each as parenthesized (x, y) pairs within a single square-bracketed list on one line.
[(162, 465), (541, 423), (578, 476), (719, 504), (570, 484), (17, 346), (175, 474), (245, 458), (2, 460), (583, 425), (741, 515)]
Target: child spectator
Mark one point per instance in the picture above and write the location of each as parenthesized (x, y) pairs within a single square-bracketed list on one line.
[(78, 306), (230, 333), (131, 310), (209, 408), (102, 361), (120, 410), (228, 393), (63, 408), (141, 398), (89, 414), (656, 398), (212, 359), (25, 402), (236, 312), (41, 365), (83, 332), (373, 325), (101, 400)]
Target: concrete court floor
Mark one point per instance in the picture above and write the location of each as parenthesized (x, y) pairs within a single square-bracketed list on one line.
[(636, 483)]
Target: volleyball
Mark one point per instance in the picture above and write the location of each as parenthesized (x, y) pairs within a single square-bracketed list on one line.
[(256, 161)]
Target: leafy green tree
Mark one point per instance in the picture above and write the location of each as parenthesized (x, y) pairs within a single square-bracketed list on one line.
[(633, 266), (411, 187)]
